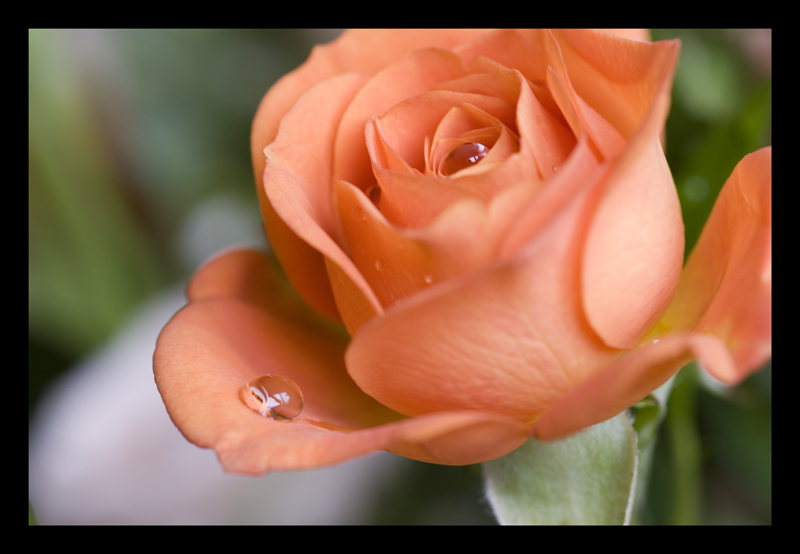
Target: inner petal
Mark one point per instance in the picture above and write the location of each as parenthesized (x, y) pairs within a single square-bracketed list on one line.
[(406, 125)]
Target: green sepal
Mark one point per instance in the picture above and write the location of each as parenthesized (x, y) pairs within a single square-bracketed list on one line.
[(586, 479)]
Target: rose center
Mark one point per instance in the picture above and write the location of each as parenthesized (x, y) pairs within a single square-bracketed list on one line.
[(464, 156)]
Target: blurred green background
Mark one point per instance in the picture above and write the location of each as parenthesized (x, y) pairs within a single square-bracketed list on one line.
[(139, 168)]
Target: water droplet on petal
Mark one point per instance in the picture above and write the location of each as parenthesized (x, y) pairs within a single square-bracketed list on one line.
[(380, 265), (273, 396), (555, 168), (464, 156), (358, 214), (428, 279)]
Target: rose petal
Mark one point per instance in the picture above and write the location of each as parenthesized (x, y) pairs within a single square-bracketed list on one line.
[(211, 348), (544, 137), (642, 35), (398, 262), (572, 176), (523, 50), (350, 52), (536, 54), (629, 380), (454, 438), (461, 121), (726, 286), (416, 200), (634, 249), (297, 184), (417, 72), (406, 125), (247, 275), (366, 51), (393, 265), (617, 77), (510, 340)]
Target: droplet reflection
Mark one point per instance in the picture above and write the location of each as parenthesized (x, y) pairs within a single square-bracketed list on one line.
[(273, 396), (464, 156)]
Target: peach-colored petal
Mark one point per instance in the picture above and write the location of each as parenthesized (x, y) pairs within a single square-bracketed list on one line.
[(617, 77), (355, 305), (523, 50), (537, 55), (397, 262), (634, 249), (297, 184), (247, 275), (510, 339), (394, 266), (642, 35), (571, 177), (605, 140), (726, 286), (381, 153), (416, 200), (304, 147), (415, 73), (453, 438), (629, 380), (496, 81), (544, 137), (366, 51), (407, 124), (306, 263), (212, 347)]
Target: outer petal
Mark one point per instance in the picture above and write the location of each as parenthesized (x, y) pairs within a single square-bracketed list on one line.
[(726, 286), (634, 249), (619, 78), (297, 184), (629, 380), (218, 342)]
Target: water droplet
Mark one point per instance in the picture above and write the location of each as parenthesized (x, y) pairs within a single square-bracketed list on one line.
[(428, 279), (358, 214), (380, 265), (464, 156), (555, 168), (273, 396)]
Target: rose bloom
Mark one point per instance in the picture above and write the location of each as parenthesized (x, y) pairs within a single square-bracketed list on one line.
[(491, 217)]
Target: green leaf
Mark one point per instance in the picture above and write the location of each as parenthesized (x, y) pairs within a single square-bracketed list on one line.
[(585, 479)]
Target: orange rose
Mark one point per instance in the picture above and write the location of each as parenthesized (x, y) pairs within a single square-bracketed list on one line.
[(491, 216)]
